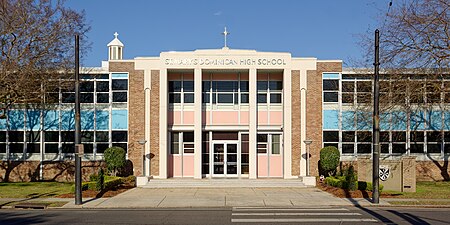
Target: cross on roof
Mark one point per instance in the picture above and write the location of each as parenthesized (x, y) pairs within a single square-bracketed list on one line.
[(116, 34), (225, 34)]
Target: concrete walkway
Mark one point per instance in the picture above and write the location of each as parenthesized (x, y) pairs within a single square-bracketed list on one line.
[(220, 197)]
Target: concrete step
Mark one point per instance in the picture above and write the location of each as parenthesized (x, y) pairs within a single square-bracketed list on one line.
[(218, 183)]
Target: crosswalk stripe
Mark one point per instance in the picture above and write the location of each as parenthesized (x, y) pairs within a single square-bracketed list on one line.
[(301, 220), (296, 214)]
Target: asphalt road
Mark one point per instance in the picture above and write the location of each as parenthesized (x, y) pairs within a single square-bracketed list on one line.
[(244, 215)]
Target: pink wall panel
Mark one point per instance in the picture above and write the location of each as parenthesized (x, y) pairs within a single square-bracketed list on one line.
[(262, 118), (188, 165), (169, 166), (244, 118), (224, 117), (205, 118), (276, 166), (188, 117), (174, 117), (176, 168), (276, 118), (262, 165)]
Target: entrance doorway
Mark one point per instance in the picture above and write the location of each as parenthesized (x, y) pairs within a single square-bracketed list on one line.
[(226, 162)]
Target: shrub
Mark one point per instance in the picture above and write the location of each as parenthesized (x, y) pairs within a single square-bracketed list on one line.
[(329, 160), (109, 183), (351, 179), (115, 159), (100, 180), (367, 186)]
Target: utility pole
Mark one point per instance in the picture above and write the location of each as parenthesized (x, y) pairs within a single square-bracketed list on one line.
[(376, 123), (78, 197)]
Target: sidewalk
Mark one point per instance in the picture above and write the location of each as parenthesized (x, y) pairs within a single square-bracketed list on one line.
[(221, 197)]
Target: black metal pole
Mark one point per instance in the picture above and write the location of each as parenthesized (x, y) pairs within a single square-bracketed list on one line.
[(376, 123), (78, 197)]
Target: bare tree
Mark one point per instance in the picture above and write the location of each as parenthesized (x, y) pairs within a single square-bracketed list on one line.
[(37, 53), (414, 56)]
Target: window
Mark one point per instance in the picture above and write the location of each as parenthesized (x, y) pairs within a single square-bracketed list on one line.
[(269, 92), (244, 153), (262, 143), (119, 90), (330, 90), (364, 91), (205, 153), (188, 142), (276, 144), (181, 90)]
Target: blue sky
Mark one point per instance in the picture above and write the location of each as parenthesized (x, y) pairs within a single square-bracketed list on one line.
[(323, 29)]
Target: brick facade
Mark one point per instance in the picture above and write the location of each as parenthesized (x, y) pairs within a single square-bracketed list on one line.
[(136, 113), (314, 110), (154, 123), (296, 121), (62, 171)]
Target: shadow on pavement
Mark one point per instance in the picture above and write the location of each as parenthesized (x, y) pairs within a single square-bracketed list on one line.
[(21, 218), (409, 217)]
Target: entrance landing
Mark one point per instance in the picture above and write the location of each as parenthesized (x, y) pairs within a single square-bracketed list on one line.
[(217, 182)]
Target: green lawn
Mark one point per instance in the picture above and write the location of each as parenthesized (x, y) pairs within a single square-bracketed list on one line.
[(33, 189), (427, 190)]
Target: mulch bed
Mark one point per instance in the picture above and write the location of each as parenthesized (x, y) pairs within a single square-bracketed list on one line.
[(342, 193), (102, 194)]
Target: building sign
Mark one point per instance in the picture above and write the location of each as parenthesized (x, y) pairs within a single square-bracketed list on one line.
[(224, 62)]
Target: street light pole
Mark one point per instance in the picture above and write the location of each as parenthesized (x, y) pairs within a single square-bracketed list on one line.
[(308, 143), (142, 142), (78, 196), (376, 123)]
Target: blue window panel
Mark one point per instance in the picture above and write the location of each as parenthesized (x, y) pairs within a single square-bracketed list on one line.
[(435, 120), (3, 124), (364, 121), (348, 120), (51, 120), (330, 119), (16, 119), (87, 119), (102, 120), (33, 119), (330, 75), (119, 75), (446, 120), (120, 119), (384, 121), (417, 120), (68, 119), (399, 121)]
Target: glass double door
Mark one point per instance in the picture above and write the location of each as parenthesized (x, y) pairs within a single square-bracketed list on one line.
[(225, 159)]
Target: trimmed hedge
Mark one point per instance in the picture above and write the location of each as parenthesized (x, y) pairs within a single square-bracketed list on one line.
[(110, 183), (341, 182)]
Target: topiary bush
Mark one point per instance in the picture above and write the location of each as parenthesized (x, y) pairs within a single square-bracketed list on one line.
[(351, 179), (115, 159), (329, 160)]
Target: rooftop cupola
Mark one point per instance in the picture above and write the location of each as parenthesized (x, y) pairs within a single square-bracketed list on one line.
[(115, 48)]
